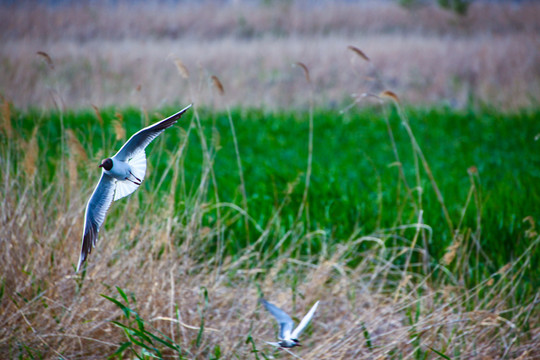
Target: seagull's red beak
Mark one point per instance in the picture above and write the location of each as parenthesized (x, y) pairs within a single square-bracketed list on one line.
[(100, 165)]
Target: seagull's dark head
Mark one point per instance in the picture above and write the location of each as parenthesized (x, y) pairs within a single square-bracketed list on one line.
[(106, 164)]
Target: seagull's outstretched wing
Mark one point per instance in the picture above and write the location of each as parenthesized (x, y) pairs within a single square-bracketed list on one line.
[(285, 322), (276, 344), (305, 321), (96, 209), (140, 140)]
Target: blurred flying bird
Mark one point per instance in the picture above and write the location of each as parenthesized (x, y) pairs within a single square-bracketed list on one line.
[(121, 175), (288, 336)]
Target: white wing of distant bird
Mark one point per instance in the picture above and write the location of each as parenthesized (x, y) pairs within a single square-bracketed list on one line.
[(288, 336)]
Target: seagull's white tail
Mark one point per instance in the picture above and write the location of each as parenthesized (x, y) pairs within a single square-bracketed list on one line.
[(138, 170), (138, 165)]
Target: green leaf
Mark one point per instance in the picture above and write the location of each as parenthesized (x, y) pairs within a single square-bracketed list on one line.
[(124, 308), (140, 322), (367, 336), (170, 344), (217, 352), (200, 334), (2, 289), (122, 348), (205, 294), (439, 353), (149, 353), (122, 294)]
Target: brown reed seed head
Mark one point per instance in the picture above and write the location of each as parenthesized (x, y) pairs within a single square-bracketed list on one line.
[(98, 115), (389, 94), (306, 71), (47, 59), (358, 52), (473, 170), (218, 85), (182, 69)]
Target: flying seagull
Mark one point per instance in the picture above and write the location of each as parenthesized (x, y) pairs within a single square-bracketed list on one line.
[(121, 175), (288, 336)]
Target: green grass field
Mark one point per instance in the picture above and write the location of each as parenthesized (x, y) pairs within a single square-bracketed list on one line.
[(214, 219), (355, 184)]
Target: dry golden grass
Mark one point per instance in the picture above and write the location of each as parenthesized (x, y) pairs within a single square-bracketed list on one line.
[(30, 150), (118, 126), (7, 128), (67, 316), (427, 55)]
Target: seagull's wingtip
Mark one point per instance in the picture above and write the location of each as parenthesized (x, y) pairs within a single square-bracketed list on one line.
[(82, 259), (181, 112)]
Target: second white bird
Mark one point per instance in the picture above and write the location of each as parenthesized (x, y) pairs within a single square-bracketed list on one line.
[(288, 336)]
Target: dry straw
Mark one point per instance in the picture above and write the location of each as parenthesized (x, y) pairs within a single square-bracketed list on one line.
[(73, 173), (451, 251), (77, 154), (30, 154), (119, 130), (6, 118), (531, 232), (75, 147)]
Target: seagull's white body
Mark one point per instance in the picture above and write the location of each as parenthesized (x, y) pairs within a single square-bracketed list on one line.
[(128, 173), (121, 175), (288, 336)]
